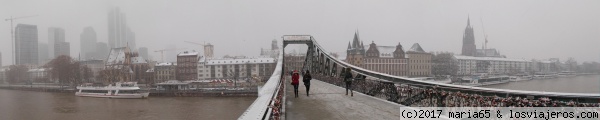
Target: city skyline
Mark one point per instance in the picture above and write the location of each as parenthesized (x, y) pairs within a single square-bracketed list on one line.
[(515, 28), (26, 44)]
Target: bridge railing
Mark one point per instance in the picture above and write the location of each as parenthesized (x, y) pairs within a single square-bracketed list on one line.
[(576, 97), (271, 97)]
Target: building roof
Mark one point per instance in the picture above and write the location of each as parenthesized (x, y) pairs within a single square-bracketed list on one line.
[(460, 57), (172, 82), (237, 61), (212, 81), (165, 64), (188, 53), (416, 48), (137, 60), (488, 53), (116, 56), (150, 70), (386, 51)]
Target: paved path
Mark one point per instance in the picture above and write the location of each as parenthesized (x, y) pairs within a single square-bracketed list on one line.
[(329, 102)]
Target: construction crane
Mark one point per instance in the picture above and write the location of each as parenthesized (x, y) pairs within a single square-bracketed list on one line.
[(208, 49), (484, 35), (12, 33), (163, 50)]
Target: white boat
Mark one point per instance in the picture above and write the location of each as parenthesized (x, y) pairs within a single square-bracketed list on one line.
[(567, 74), (482, 80), (119, 90), (541, 76), (520, 78), (527, 77), (515, 78)]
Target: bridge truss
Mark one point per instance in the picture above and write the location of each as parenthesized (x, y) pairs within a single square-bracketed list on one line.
[(401, 90)]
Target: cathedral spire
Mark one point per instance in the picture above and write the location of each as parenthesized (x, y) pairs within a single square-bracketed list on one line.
[(355, 43), (349, 47), (468, 20), (362, 45), (469, 47)]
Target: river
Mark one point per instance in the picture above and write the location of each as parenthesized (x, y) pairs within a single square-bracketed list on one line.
[(29, 105), (578, 84)]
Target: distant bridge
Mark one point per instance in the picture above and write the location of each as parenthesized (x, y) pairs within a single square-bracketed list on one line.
[(378, 91)]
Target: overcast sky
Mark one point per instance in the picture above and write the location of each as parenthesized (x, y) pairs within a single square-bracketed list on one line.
[(527, 29)]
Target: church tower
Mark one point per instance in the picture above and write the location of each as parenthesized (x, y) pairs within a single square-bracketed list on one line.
[(355, 51), (468, 47)]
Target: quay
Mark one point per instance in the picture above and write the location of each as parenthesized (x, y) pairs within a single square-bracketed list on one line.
[(153, 93), (39, 88)]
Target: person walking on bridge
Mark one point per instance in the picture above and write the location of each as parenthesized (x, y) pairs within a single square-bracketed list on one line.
[(306, 79), (348, 80), (295, 82)]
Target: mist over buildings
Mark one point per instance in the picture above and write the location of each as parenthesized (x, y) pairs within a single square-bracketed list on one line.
[(534, 29)]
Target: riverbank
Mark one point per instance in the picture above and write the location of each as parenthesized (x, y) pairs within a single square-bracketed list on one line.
[(38, 88), (153, 93), (484, 84), (205, 94)]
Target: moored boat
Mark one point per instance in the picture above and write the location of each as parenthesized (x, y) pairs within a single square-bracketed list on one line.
[(119, 90)]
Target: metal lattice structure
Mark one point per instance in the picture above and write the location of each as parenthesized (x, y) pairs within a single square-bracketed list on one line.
[(406, 91)]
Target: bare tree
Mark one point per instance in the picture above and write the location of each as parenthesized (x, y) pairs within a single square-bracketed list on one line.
[(590, 67), (111, 75), (16, 74), (65, 70), (571, 64), (444, 64)]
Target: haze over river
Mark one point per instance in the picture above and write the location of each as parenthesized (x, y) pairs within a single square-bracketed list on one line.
[(28, 105), (578, 84)]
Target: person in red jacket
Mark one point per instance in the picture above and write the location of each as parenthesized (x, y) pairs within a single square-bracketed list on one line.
[(295, 82)]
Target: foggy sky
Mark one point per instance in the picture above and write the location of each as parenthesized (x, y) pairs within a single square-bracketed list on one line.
[(532, 29)]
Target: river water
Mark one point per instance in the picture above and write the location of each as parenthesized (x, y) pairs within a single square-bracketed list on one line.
[(578, 84), (29, 105)]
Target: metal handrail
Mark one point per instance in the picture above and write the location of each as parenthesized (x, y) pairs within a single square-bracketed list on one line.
[(261, 108)]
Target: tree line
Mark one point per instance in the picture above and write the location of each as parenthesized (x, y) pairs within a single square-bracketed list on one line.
[(62, 69)]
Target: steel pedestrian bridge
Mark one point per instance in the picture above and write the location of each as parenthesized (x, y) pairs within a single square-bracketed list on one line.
[(380, 95)]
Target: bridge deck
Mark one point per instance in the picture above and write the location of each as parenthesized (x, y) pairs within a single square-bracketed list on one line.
[(327, 102)]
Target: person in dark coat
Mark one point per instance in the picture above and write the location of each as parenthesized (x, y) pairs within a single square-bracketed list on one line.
[(348, 80), (306, 79), (295, 82)]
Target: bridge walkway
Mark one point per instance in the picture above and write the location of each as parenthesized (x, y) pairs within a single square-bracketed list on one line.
[(329, 102)]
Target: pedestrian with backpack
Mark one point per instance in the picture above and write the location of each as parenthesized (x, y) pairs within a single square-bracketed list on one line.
[(348, 80), (306, 79)]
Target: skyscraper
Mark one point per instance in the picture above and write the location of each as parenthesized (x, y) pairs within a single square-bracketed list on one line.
[(26, 44), (88, 43), (469, 48), (119, 34), (43, 53), (101, 51), (62, 48), (131, 39), (55, 35)]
